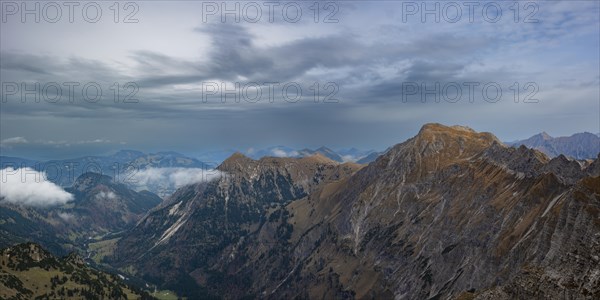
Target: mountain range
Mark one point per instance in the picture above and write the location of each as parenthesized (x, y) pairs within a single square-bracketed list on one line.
[(450, 213), (580, 145), (342, 155), (127, 166)]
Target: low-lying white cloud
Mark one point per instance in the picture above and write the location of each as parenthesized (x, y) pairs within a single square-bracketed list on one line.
[(29, 187), (349, 158), (9, 142), (176, 177), (67, 217), (277, 152), (106, 195)]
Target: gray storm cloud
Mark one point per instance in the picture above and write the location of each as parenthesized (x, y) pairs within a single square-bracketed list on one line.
[(368, 54)]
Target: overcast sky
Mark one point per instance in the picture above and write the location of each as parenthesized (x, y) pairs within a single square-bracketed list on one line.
[(368, 60)]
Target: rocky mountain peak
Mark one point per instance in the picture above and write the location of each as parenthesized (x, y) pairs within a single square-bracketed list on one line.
[(567, 170), (544, 136), (318, 158), (540, 138), (239, 163), (236, 158), (127, 154), (594, 168), (236, 161), (521, 160), (436, 146), (441, 127), (436, 131), (327, 152)]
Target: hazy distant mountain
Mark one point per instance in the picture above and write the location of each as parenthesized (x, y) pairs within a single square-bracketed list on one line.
[(100, 206), (343, 155), (450, 213), (354, 154), (16, 162), (371, 157), (579, 145), (323, 151), (274, 151), (167, 159), (123, 165), (215, 157)]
